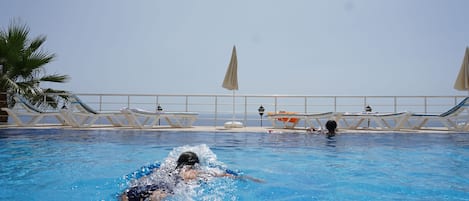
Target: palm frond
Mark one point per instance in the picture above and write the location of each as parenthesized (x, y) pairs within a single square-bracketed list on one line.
[(38, 59), (7, 83), (55, 78), (36, 43), (17, 36), (60, 93)]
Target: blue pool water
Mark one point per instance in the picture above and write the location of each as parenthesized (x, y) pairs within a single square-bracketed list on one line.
[(55, 164)]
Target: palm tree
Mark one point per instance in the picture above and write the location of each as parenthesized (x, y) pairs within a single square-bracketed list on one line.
[(22, 62)]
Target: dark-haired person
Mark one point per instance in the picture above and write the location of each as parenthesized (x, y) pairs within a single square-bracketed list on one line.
[(187, 169), (184, 171), (331, 127)]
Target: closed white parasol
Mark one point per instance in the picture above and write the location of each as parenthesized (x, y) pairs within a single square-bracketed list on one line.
[(462, 81), (231, 83)]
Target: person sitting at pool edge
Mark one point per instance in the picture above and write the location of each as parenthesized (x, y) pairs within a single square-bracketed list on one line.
[(331, 127), (185, 171)]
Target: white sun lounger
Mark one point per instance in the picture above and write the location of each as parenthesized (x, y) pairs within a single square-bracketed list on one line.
[(26, 114), (80, 114), (382, 120), (449, 118), (290, 120), (139, 118)]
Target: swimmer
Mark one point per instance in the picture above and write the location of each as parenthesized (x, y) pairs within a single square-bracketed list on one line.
[(187, 170), (331, 127), (184, 171)]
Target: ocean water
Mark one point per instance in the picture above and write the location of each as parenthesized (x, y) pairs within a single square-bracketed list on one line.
[(67, 164)]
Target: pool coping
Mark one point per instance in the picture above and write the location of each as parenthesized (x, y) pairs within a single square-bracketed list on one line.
[(251, 129)]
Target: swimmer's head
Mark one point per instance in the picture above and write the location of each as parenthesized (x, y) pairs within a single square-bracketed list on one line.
[(331, 125), (187, 158)]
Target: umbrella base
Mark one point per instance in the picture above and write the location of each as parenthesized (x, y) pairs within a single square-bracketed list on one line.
[(233, 124)]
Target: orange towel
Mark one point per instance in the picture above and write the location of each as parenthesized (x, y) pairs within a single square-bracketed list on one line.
[(286, 119)]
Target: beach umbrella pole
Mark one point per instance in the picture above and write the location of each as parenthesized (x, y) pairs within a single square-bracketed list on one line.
[(234, 105)]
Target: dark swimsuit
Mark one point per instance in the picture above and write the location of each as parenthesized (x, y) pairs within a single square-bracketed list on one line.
[(138, 193)]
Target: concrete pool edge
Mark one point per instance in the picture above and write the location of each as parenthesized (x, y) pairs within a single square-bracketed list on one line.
[(237, 130)]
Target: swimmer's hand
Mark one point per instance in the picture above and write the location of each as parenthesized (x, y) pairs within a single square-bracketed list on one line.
[(245, 177)]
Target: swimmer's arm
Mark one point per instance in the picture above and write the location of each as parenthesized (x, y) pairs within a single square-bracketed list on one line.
[(241, 177), (236, 176), (246, 177)]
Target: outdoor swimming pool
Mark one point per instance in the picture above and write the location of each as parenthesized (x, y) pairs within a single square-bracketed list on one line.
[(56, 164)]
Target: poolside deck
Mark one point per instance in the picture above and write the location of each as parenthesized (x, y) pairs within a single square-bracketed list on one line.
[(250, 129)]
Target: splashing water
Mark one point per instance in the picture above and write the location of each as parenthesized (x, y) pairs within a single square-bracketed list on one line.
[(206, 187)]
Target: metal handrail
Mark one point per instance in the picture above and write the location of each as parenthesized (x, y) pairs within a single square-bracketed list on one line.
[(218, 108)]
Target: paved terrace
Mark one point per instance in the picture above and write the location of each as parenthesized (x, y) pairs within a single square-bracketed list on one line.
[(235, 130)]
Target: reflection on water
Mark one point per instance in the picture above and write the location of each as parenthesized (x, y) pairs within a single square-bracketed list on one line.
[(331, 141)]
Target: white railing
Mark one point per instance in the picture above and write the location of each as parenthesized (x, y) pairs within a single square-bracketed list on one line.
[(217, 109)]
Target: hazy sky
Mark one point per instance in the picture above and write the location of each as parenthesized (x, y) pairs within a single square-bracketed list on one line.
[(285, 47)]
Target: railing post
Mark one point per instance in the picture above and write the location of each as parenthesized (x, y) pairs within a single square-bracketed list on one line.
[(216, 111), (335, 103), (128, 101), (100, 102), (187, 103), (425, 104), (364, 101), (245, 111), (306, 105), (275, 104), (156, 103)]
